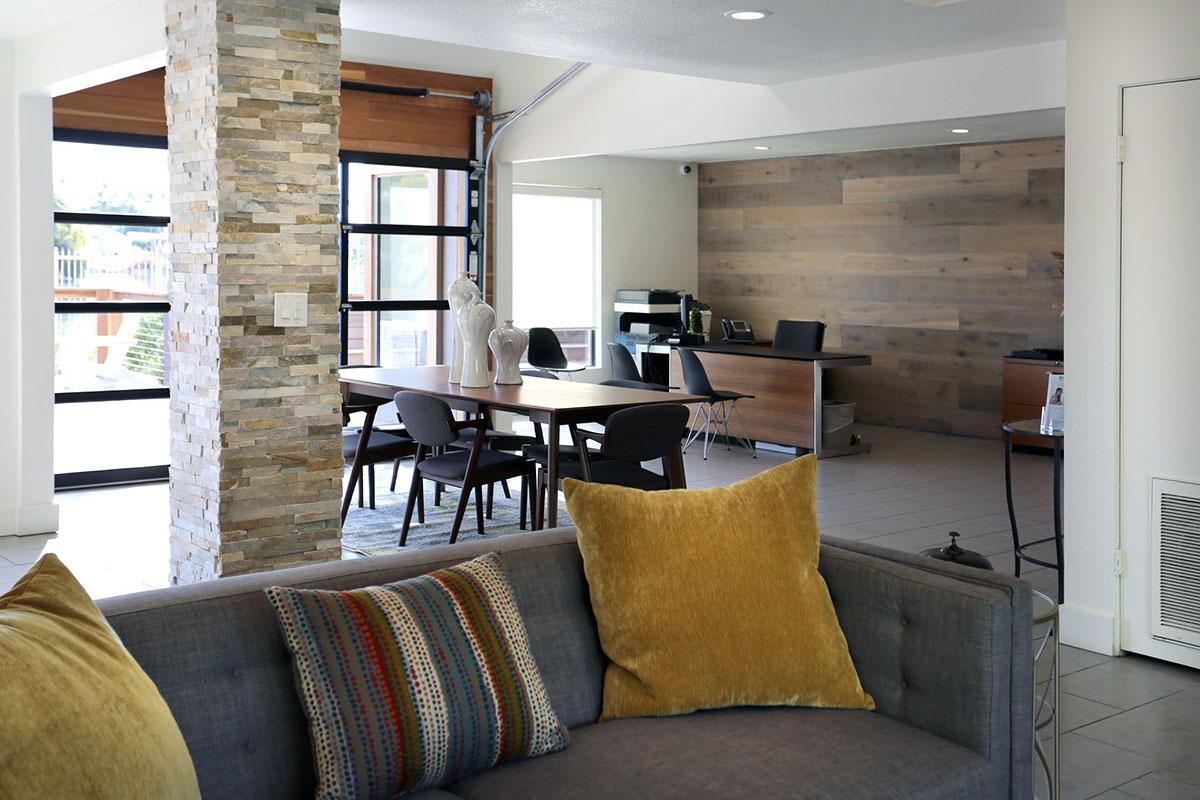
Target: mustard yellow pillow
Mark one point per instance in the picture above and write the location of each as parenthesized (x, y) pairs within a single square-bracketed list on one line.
[(711, 598), (78, 716)]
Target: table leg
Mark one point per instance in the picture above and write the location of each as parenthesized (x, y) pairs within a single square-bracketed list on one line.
[(552, 474), (675, 474), (1012, 514), (1058, 538), (359, 453)]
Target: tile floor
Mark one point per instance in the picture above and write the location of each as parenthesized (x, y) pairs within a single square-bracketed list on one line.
[(1130, 726)]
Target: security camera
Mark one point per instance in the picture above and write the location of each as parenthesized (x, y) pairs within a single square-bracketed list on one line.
[(686, 169)]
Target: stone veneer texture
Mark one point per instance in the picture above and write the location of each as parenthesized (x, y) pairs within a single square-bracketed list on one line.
[(252, 114)]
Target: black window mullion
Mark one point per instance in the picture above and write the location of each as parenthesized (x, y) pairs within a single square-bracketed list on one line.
[(397, 305), (107, 395), (103, 218), (111, 307), (344, 277)]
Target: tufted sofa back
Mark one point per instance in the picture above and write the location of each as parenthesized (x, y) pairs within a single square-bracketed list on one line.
[(216, 654), (941, 647)]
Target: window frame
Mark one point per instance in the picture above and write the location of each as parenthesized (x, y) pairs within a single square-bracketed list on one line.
[(348, 306), (116, 475), (597, 196)]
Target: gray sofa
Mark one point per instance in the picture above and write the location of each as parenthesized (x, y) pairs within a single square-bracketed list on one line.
[(945, 650)]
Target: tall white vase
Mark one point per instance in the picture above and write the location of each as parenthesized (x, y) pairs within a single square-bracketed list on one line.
[(461, 292), (508, 343), (475, 321)]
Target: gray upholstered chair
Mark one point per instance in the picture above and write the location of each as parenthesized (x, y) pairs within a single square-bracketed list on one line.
[(632, 436), (432, 425)]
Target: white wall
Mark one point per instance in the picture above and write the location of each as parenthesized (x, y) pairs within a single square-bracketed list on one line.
[(10, 299), (26, 293), (608, 110), (1109, 43), (115, 40), (648, 228)]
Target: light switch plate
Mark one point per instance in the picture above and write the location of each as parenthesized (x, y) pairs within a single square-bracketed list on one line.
[(291, 309)]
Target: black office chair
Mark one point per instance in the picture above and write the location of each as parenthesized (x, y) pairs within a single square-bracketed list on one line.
[(625, 371), (717, 409), (632, 436), (432, 425), (804, 336), (545, 352)]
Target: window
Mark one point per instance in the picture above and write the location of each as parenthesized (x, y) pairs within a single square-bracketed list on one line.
[(556, 265), (111, 363), (404, 240)]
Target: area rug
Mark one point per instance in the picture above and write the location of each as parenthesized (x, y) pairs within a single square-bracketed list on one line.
[(373, 532)]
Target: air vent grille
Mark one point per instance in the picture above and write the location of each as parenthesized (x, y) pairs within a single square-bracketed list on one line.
[(1177, 560)]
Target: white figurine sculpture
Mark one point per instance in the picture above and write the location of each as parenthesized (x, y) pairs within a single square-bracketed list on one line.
[(462, 291), (475, 321), (507, 344)]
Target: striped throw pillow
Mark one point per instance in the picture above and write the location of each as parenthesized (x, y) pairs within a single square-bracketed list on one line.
[(417, 683)]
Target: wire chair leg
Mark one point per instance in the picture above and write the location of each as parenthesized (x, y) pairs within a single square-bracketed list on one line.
[(693, 431), (741, 438)]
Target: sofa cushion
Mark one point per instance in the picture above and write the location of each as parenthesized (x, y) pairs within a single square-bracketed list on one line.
[(712, 597), (416, 683), (748, 753), (217, 655), (81, 718)]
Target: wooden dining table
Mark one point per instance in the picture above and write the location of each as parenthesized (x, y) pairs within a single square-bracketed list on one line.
[(542, 400)]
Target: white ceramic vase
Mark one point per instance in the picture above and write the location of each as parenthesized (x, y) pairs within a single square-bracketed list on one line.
[(508, 343), (475, 321), (462, 291)]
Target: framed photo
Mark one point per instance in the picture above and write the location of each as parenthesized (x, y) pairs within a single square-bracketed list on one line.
[(1052, 412)]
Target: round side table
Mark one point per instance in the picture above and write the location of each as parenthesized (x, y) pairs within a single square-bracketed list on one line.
[(1045, 692), (1033, 428)]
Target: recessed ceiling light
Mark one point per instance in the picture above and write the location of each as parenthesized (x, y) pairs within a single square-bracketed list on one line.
[(761, 147), (747, 16), (960, 130)]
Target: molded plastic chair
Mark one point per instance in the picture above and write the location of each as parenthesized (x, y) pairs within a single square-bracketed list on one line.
[(806, 336), (545, 352), (717, 409), (625, 370)]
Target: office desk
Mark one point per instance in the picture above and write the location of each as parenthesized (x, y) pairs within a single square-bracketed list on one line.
[(787, 386)]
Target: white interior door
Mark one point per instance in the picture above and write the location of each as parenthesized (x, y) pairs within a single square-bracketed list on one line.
[(1160, 371)]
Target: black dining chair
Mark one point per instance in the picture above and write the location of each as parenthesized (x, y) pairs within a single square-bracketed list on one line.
[(631, 437), (383, 444), (431, 425), (625, 371), (545, 352), (717, 409), (805, 336)]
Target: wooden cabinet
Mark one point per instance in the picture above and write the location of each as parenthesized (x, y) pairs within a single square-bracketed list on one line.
[(1024, 392)]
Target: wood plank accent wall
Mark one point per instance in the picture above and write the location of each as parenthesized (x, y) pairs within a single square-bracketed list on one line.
[(370, 122), (935, 261)]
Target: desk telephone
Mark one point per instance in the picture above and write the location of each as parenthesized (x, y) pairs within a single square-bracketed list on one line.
[(737, 330)]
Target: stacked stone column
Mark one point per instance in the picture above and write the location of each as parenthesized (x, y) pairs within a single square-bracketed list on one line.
[(252, 118)]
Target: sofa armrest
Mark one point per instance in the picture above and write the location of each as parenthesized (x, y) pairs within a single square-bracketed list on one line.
[(941, 647)]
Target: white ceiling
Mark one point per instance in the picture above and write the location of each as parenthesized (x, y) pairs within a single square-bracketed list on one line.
[(23, 17), (995, 128), (800, 39)]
